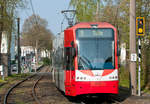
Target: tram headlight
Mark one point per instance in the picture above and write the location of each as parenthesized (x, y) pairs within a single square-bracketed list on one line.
[(116, 77), (113, 77)]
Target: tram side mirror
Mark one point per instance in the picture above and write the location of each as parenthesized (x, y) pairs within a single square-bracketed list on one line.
[(73, 50), (118, 49), (72, 44)]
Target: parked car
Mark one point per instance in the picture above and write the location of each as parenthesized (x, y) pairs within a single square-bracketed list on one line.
[(14, 68)]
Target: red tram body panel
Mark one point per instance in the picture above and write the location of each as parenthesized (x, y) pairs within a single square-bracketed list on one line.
[(89, 59)]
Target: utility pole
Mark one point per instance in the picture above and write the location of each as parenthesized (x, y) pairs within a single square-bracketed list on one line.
[(133, 46), (18, 49)]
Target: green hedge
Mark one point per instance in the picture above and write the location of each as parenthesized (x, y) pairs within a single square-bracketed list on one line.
[(46, 61)]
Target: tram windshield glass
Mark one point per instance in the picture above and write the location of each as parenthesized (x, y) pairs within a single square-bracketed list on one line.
[(95, 48)]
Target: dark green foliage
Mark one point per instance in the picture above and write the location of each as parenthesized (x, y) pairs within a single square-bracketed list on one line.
[(46, 61), (13, 62), (124, 77)]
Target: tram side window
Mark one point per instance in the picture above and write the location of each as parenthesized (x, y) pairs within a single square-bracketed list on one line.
[(68, 59), (59, 57), (54, 59)]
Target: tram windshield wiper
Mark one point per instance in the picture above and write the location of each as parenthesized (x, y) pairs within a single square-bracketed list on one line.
[(85, 61), (88, 61)]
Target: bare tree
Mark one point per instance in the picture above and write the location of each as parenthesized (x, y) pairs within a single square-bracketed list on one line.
[(36, 34)]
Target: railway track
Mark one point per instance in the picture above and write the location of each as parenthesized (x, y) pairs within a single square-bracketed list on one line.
[(34, 89), (116, 99), (97, 99), (35, 77), (39, 89)]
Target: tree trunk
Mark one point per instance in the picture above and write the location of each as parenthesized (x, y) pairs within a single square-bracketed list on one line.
[(5, 62), (1, 32)]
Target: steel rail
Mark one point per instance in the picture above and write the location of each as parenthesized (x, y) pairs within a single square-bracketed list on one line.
[(34, 92), (17, 84), (14, 86), (116, 98)]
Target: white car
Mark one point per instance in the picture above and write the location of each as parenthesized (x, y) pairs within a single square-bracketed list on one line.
[(14, 68)]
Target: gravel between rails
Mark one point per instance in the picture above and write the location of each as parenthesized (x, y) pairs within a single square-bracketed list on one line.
[(34, 86), (45, 91), (18, 86)]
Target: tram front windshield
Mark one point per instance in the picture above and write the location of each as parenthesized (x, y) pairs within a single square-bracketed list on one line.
[(95, 48)]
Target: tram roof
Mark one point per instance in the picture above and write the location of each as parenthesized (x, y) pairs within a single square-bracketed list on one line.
[(90, 24)]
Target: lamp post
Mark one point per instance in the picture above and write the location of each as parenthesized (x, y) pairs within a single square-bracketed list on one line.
[(18, 46)]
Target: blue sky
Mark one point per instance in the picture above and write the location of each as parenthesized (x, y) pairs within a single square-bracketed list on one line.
[(49, 10)]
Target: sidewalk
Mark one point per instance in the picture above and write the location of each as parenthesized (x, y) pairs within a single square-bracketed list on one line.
[(144, 99)]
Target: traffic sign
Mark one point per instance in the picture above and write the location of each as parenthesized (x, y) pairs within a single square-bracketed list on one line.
[(133, 57), (140, 26)]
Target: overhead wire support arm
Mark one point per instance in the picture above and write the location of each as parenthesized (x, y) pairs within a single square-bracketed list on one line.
[(68, 11), (70, 18)]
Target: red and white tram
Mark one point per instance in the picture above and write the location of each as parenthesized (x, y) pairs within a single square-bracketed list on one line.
[(85, 59)]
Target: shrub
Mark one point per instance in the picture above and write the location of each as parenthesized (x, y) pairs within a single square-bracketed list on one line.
[(46, 61)]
